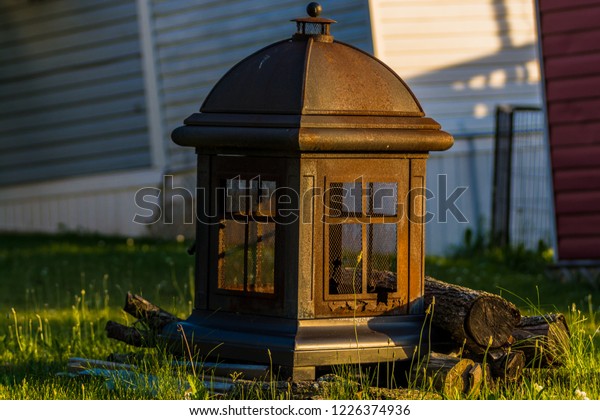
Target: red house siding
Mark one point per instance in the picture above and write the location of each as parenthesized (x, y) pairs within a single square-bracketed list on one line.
[(570, 39)]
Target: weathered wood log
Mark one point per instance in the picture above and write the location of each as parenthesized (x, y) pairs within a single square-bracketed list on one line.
[(449, 375), (544, 339), (78, 364), (150, 314), (128, 335), (480, 320), (509, 367), (478, 376)]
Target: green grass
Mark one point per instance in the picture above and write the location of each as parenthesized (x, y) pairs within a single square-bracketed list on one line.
[(57, 292), (40, 272), (523, 276)]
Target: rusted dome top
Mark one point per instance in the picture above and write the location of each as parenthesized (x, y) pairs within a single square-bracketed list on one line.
[(318, 86), (308, 77)]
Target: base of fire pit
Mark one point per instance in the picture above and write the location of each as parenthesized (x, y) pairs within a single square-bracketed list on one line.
[(297, 347)]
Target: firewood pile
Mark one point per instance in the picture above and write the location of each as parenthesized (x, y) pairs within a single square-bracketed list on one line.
[(492, 341), (488, 338)]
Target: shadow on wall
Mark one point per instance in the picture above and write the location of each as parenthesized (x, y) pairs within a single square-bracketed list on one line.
[(463, 98)]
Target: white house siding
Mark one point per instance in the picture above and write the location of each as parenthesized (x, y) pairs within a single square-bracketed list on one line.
[(72, 105), (73, 95), (83, 83), (94, 203), (461, 58), (197, 42)]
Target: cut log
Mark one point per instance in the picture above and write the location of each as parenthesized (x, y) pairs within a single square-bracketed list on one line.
[(478, 376), (480, 320), (150, 314), (544, 339), (449, 375), (128, 335), (509, 367)]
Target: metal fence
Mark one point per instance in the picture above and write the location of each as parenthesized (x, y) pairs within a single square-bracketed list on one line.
[(521, 195)]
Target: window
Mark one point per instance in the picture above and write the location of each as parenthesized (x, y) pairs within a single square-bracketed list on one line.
[(361, 235), (247, 236)]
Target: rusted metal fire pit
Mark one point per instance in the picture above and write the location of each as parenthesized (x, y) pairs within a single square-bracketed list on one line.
[(310, 234)]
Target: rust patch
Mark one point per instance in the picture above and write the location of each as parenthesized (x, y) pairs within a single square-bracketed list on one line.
[(351, 307)]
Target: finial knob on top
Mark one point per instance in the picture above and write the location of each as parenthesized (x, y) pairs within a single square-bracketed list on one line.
[(313, 26), (314, 9)]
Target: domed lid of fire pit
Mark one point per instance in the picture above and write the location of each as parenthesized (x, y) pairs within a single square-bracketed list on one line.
[(311, 82)]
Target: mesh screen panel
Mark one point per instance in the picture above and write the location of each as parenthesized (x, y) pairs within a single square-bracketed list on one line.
[(345, 259), (313, 29), (382, 258), (352, 223)]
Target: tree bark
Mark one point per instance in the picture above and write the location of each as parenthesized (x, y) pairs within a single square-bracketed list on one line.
[(480, 320), (544, 339), (151, 315), (449, 375)]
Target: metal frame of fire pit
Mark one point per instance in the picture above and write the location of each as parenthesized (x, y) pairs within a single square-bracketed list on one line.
[(307, 117)]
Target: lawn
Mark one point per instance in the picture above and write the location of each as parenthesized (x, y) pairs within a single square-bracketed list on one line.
[(57, 292)]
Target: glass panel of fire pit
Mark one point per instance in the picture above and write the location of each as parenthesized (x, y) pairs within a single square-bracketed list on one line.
[(350, 224), (382, 258), (345, 258), (266, 198), (261, 258), (232, 241), (345, 199), (236, 195), (253, 253), (382, 198), (247, 236)]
